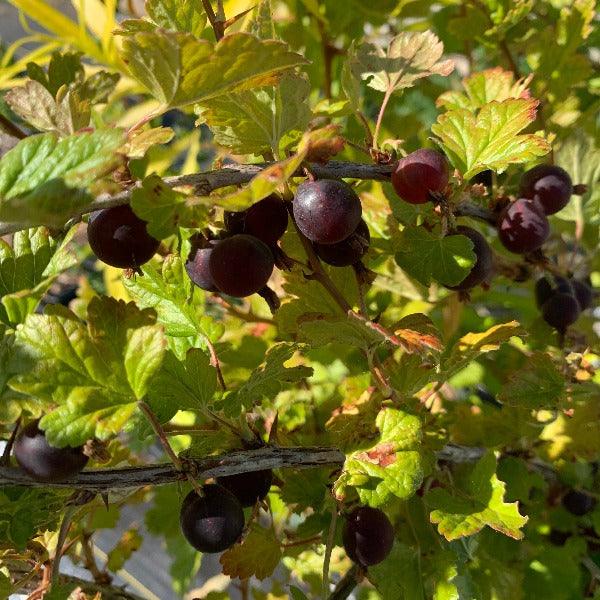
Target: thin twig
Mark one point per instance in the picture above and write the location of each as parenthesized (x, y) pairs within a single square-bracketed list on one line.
[(62, 536), (345, 586), (214, 361), (328, 550), (216, 24), (5, 460), (10, 128), (166, 445)]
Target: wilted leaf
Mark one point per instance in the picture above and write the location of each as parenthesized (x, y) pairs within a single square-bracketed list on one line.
[(410, 56), (393, 466)]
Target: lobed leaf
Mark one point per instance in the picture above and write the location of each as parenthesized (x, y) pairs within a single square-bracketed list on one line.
[(490, 139), (410, 56), (179, 69), (477, 504), (42, 179), (428, 257)]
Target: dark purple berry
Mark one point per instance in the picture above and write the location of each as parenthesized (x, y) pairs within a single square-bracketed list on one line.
[(560, 311), (198, 269), (543, 291), (482, 268), (578, 503), (419, 174), (368, 536), (44, 462), (119, 238), (348, 251), (213, 522), (248, 487), (240, 265), (551, 186), (266, 220), (523, 227), (583, 293), (327, 211)]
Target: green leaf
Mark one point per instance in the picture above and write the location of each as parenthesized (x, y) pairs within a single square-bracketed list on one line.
[(579, 155), (128, 543), (169, 292), (538, 385), (28, 268), (87, 413), (392, 467), (177, 15), (491, 138), (257, 556), (256, 122), (143, 356), (29, 260), (410, 56), (470, 346), (268, 379), (426, 256), (165, 210), (491, 85), (479, 502), (64, 68), (178, 69), (42, 178), (94, 372), (398, 577), (183, 385)]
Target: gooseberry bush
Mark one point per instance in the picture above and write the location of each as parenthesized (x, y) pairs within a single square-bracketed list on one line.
[(312, 286)]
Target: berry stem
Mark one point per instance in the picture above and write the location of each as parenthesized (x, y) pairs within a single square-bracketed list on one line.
[(5, 460), (384, 104), (62, 536), (214, 361), (162, 436), (328, 550)]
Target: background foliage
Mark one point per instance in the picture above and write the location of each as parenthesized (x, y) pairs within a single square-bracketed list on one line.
[(110, 97)]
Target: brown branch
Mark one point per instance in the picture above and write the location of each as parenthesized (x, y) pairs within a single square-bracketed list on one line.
[(347, 584), (242, 461), (10, 128), (217, 24), (232, 175)]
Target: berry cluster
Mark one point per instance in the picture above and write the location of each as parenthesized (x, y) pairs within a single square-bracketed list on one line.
[(522, 225), (328, 212), (242, 261), (214, 521)]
